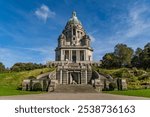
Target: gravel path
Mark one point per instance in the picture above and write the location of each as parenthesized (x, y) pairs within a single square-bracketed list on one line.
[(72, 96)]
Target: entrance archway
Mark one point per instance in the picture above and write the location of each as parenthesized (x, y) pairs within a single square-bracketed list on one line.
[(74, 78)]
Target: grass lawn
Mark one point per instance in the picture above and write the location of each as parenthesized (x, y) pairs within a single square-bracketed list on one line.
[(10, 81), (6, 91), (140, 93)]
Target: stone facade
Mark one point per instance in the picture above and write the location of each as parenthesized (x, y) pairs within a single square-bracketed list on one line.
[(74, 52), (73, 62)]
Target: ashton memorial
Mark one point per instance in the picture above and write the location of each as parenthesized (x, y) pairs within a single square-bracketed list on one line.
[(73, 62)]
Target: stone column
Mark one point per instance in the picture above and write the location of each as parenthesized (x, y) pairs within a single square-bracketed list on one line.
[(77, 55), (62, 55), (84, 55), (71, 55), (70, 78)]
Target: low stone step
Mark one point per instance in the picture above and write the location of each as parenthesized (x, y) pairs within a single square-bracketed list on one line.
[(74, 89)]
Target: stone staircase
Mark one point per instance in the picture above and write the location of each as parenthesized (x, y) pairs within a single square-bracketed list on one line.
[(89, 76), (74, 89), (52, 75)]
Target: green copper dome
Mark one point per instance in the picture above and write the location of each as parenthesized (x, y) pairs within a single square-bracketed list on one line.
[(74, 19)]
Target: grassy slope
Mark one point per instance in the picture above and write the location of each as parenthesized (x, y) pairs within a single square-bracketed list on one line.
[(140, 93), (132, 80), (10, 81)]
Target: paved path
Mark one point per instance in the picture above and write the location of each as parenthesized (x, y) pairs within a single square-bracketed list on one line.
[(71, 96)]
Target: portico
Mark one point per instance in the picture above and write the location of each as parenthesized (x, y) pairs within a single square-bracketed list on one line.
[(73, 55)]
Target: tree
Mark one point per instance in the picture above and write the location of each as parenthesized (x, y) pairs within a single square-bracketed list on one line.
[(147, 45), (2, 67), (138, 52), (124, 54), (110, 61), (141, 58), (26, 66), (145, 56), (121, 57), (136, 62)]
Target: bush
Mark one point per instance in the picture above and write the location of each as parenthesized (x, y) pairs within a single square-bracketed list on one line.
[(2, 67), (26, 66), (138, 72), (144, 77), (19, 87), (133, 79), (117, 74), (122, 73), (112, 86), (135, 87), (37, 87)]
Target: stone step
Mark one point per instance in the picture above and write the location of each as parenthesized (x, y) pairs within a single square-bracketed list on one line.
[(74, 64), (77, 88)]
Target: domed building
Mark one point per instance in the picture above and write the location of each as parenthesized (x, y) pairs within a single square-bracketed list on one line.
[(74, 43), (75, 53), (73, 62)]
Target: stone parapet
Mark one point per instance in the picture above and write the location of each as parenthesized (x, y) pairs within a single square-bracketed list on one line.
[(62, 63)]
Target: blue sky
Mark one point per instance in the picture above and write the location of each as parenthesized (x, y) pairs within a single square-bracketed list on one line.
[(29, 28)]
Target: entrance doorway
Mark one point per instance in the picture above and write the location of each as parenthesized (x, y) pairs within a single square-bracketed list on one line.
[(74, 78)]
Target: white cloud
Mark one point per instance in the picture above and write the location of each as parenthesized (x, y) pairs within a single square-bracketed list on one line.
[(44, 13), (92, 35), (92, 38), (135, 26), (138, 21)]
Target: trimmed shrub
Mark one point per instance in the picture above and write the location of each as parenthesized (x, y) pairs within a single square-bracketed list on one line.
[(37, 87), (112, 86)]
